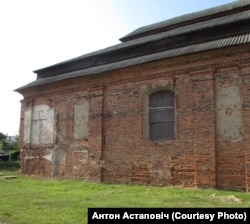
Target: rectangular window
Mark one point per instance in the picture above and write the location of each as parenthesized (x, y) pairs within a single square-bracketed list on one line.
[(161, 115)]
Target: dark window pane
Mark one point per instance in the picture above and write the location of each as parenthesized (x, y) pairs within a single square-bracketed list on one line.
[(158, 131), (170, 115), (170, 130), (161, 115), (157, 116), (162, 130), (161, 99)]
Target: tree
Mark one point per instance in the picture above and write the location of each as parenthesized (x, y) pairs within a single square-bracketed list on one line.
[(10, 145), (13, 145), (2, 136), (3, 143)]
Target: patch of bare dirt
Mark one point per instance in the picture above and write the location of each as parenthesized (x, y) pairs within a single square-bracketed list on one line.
[(227, 199)]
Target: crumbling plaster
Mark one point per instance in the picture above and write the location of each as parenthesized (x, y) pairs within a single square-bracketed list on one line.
[(229, 122)]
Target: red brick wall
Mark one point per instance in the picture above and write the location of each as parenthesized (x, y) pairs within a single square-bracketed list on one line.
[(117, 149)]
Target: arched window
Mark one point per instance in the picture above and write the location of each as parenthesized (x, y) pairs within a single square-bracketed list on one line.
[(161, 115)]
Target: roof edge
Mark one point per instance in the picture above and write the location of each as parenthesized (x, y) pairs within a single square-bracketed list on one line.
[(196, 48), (187, 19)]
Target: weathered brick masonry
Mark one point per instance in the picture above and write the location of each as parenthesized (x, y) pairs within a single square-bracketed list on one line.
[(95, 127)]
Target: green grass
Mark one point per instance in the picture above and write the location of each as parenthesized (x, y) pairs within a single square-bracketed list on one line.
[(25, 200)]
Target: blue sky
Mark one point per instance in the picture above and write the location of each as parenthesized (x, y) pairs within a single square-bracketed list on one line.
[(38, 33)]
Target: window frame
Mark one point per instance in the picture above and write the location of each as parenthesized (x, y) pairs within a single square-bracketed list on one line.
[(147, 113)]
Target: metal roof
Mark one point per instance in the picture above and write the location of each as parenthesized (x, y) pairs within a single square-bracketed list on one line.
[(180, 21), (231, 41), (239, 17), (214, 28)]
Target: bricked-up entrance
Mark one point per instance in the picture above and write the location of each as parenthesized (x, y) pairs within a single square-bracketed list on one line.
[(160, 108)]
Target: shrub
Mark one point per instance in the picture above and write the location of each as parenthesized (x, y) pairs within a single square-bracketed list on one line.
[(14, 155), (10, 165)]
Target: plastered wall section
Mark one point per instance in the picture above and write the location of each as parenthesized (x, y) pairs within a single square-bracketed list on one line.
[(81, 118), (39, 125), (44, 151), (229, 123), (231, 145)]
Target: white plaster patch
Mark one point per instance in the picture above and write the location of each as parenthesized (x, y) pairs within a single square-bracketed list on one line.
[(42, 129), (30, 157), (58, 159), (229, 122), (48, 157), (27, 127), (39, 125), (81, 118)]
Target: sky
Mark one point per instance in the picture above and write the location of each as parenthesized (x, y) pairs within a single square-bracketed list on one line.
[(38, 33)]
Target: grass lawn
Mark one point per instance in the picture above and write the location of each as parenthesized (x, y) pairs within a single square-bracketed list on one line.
[(25, 200)]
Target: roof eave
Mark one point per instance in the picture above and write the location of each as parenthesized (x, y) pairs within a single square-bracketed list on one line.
[(193, 49)]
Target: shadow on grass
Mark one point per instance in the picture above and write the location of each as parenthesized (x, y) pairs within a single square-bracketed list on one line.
[(9, 165)]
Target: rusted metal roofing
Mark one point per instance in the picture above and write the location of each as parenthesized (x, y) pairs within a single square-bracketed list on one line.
[(228, 27)]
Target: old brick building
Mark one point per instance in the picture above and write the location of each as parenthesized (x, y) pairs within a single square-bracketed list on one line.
[(169, 105)]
